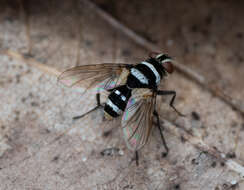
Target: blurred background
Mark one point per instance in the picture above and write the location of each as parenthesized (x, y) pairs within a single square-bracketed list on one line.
[(41, 147)]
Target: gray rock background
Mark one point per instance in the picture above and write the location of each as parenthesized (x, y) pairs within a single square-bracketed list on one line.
[(41, 147)]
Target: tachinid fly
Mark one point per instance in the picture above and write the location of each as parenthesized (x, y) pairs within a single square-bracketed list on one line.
[(132, 88)]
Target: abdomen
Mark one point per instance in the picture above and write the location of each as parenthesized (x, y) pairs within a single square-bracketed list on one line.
[(117, 102)]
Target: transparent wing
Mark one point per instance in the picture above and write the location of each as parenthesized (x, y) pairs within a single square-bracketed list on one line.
[(106, 75), (138, 118)]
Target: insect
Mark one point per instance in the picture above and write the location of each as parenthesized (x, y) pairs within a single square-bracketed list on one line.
[(132, 89)]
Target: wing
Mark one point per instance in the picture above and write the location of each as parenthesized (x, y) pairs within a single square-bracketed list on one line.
[(107, 75), (138, 118)]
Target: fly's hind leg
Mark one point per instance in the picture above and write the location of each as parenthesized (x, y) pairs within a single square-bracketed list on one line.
[(137, 158), (170, 92), (155, 113), (99, 105)]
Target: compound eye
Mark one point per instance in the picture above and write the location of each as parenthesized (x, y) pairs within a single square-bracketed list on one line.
[(168, 66)]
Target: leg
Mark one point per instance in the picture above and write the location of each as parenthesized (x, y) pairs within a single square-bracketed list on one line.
[(99, 105), (98, 99), (137, 159), (161, 133), (170, 92)]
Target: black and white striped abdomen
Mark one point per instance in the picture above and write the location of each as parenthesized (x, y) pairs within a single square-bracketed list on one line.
[(145, 74), (117, 101)]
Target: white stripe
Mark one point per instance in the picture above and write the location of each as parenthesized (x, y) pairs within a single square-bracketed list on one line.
[(123, 97), (155, 72), (141, 77), (114, 107), (117, 92), (159, 55), (166, 60)]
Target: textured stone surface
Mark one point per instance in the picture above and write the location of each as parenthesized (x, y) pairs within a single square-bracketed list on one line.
[(37, 149)]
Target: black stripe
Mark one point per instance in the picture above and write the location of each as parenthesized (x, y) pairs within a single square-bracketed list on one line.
[(116, 99), (157, 66), (163, 57), (148, 73), (110, 111), (133, 82)]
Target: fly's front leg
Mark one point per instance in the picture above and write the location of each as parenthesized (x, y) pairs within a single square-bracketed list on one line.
[(155, 113), (173, 93), (99, 105)]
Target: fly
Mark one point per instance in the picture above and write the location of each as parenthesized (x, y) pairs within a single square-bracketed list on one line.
[(133, 89)]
